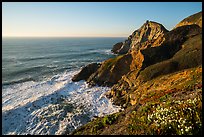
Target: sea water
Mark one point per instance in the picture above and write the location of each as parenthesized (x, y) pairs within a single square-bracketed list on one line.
[(38, 96)]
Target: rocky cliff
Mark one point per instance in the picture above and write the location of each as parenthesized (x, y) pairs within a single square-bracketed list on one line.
[(112, 70), (161, 74), (86, 71), (141, 38), (188, 56), (151, 34)]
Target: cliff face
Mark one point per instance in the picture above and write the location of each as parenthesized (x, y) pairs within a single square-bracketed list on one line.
[(142, 38), (189, 56), (112, 70), (149, 32), (193, 19), (86, 71), (156, 69)]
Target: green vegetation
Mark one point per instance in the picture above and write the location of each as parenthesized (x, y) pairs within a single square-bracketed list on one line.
[(111, 62), (97, 127), (109, 119), (103, 122), (168, 118)]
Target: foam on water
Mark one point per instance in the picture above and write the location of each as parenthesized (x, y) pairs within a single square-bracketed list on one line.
[(102, 51), (52, 106)]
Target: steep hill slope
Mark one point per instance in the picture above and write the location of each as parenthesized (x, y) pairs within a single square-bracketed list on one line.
[(193, 19)]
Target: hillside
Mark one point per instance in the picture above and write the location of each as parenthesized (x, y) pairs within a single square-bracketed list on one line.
[(170, 104), (157, 80), (193, 19)]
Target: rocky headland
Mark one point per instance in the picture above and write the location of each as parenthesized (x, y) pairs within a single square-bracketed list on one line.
[(156, 78)]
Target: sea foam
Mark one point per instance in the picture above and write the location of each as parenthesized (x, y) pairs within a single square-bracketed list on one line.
[(54, 106)]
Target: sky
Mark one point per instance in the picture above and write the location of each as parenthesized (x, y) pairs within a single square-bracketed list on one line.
[(89, 19)]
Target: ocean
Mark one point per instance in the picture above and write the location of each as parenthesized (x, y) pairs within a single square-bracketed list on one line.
[(38, 96)]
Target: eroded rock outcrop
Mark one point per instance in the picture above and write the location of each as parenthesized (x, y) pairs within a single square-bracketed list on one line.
[(117, 47), (111, 71), (143, 37), (86, 72)]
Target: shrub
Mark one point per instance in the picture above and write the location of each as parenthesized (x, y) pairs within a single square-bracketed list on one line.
[(109, 119)]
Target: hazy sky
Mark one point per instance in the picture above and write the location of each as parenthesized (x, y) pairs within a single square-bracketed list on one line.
[(110, 19)]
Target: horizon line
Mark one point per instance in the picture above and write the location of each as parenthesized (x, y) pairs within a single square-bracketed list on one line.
[(63, 36)]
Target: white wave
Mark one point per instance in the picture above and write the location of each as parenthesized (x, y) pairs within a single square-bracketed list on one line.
[(108, 51), (22, 93), (53, 106), (56, 61), (102, 51)]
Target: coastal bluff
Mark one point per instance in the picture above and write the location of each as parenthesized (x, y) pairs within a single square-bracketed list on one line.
[(154, 68)]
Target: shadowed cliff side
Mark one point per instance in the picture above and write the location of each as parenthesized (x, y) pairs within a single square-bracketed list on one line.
[(189, 56), (86, 72)]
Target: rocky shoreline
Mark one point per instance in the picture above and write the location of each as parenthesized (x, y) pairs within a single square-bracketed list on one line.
[(151, 54)]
